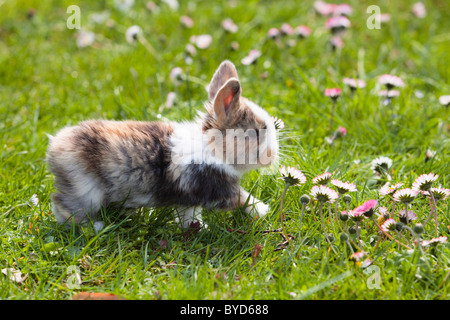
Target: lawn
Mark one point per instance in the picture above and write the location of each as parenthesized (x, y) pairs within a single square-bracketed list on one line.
[(52, 76)]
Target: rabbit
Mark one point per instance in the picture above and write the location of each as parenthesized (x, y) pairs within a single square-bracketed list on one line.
[(185, 165)]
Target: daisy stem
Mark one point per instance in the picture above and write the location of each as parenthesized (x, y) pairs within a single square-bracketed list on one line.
[(357, 233), (332, 115), (286, 187), (435, 213), (148, 47), (393, 208), (301, 217), (336, 208), (388, 235), (321, 220)]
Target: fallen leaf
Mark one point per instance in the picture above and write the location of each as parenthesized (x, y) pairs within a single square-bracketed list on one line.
[(14, 275)]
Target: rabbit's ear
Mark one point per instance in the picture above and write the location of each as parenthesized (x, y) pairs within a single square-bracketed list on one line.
[(226, 71), (227, 98)]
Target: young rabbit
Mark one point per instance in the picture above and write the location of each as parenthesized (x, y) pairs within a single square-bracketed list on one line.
[(184, 165)]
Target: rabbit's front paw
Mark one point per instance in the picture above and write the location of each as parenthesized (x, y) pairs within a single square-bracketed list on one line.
[(258, 209)]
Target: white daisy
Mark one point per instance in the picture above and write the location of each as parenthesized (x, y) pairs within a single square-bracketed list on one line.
[(381, 164), (434, 241), (322, 179), (388, 225), (132, 33), (406, 218), (292, 176), (438, 193), (406, 195), (343, 187), (424, 182), (390, 81), (324, 194), (387, 189), (444, 100), (34, 200)]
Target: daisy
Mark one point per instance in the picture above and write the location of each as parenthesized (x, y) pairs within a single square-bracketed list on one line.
[(251, 58), (123, 5), (381, 165), (324, 194), (292, 176), (85, 39), (279, 124), (367, 208), (388, 190), (170, 101), (354, 83), (388, 93), (187, 22), (336, 42), (337, 24), (424, 182), (322, 179), (434, 241), (324, 9), (333, 93), (444, 100), (429, 154), (343, 187), (302, 31), (286, 29), (438, 193), (133, 33), (273, 33), (389, 225), (382, 215), (406, 218), (358, 256), (343, 9), (356, 216), (390, 81), (202, 41), (229, 26), (406, 195), (176, 76), (419, 10)]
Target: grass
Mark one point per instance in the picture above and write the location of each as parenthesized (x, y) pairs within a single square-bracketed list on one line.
[(47, 82)]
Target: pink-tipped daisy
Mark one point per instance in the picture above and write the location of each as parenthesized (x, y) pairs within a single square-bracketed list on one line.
[(358, 256), (279, 124), (302, 31), (202, 41), (406, 217), (343, 9), (390, 81), (286, 29), (273, 33), (337, 24), (382, 214), (253, 55), (340, 132), (367, 208), (322, 179), (424, 182), (405, 196), (444, 100), (354, 83), (324, 194), (438, 193), (419, 10), (336, 42), (292, 176), (388, 93), (343, 187), (434, 241), (186, 22), (176, 76), (324, 9), (356, 216), (381, 165), (229, 26), (333, 93), (388, 190), (389, 225)]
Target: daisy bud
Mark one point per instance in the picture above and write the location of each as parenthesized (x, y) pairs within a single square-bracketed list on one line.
[(343, 237), (399, 226), (352, 230), (304, 199), (418, 228), (343, 215), (347, 198)]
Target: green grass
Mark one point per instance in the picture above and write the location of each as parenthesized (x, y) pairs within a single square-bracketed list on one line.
[(47, 82)]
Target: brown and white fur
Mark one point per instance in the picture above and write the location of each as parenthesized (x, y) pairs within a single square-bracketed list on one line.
[(146, 164)]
